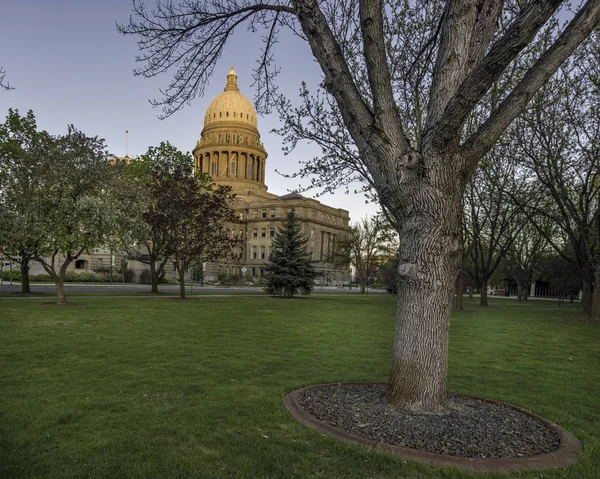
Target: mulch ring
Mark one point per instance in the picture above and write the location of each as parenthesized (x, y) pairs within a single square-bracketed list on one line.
[(475, 433)]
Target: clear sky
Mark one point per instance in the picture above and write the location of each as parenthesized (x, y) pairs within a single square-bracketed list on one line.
[(70, 66)]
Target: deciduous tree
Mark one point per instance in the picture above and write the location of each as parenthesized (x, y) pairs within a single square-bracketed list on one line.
[(74, 208), (368, 244), (200, 213), (419, 179), (22, 168), (153, 177)]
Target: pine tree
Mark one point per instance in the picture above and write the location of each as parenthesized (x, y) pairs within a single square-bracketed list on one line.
[(290, 269)]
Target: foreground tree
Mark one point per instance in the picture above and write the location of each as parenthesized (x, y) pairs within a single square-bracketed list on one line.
[(419, 178), (368, 244), (290, 269)]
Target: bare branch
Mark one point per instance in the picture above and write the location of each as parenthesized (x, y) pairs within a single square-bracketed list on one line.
[(3, 83), (190, 37), (386, 116), (576, 32)]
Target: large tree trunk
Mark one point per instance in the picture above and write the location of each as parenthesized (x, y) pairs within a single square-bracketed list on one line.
[(483, 297), (25, 288), (430, 257), (586, 298), (153, 277)]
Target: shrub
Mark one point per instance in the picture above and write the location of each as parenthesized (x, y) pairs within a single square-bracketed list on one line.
[(16, 275)]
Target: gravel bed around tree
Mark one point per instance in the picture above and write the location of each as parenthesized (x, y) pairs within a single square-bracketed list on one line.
[(472, 427)]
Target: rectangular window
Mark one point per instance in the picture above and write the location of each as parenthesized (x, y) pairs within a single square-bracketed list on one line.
[(264, 213), (271, 232), (262, 252), (253, 271), (256, 213), (255, 233), (213, 168), (272, 213), (263, 232), (254, 254)]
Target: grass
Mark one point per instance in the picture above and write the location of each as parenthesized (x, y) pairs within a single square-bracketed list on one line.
[(165, 388)]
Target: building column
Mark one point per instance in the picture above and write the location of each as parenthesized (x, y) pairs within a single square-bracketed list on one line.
[(322, 244)]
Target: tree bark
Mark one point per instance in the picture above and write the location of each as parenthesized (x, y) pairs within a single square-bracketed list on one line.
[(483, 297), (595, 297), (586, 299), (181, 272), (60, 291), (429, 260), (519, 292), (460, 290), (25, 287), (153, 278)]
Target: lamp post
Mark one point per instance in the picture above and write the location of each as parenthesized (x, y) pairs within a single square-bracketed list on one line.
[(111, 266)]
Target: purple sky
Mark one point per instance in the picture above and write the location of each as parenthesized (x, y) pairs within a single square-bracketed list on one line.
[(70, 66)]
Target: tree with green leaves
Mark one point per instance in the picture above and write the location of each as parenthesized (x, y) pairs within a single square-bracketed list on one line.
[(290, 269), (411, 137), (22, 168), (153, 180), (73, 202), (200, 213)]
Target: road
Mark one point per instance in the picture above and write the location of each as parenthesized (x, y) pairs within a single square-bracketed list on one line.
[(119, 289)]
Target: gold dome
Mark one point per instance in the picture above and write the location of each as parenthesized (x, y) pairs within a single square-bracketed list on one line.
[(231, 106)]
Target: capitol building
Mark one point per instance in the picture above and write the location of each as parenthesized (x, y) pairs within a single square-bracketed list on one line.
[(230, 151)]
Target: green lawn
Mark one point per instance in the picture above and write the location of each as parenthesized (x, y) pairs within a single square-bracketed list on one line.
[(164, 388)]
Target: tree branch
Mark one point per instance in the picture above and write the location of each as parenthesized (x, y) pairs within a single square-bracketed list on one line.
[(576, 32)]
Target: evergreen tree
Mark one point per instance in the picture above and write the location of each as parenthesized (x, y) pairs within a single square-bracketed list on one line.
[(290, 269)]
